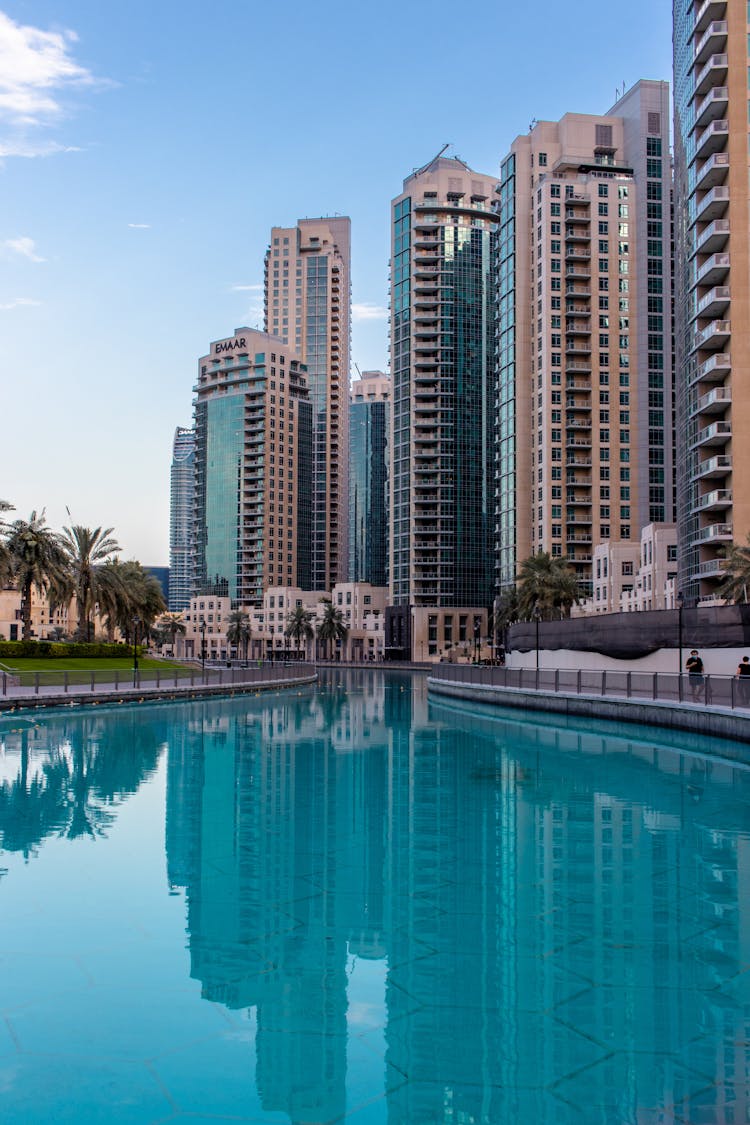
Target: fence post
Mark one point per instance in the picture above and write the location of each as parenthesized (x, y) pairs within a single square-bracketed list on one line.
[(679, 686), (158, 676), (557, 680), (5, 683), (604, 683), (117, 678), (65, 683), (93, 678), (629, 685), (578, 682), (655, 689), (36, 683), (731, 693)]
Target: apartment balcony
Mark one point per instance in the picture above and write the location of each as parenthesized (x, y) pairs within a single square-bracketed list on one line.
[(707, 12), (580, 441), (575, 253), (714, 336), (717, 501), (427, 241), (577, 349), (711, 568), (577, 200), (714, 269), (422, 223), (714, 302), (714, 533), (573, 385), (715, 402), (717, 434), (582, 501), (571, 310), (578, 404), (573, 272), (578, 537), (712, 139), (424, 271), (713, 237), (713, 468), (574, 234), (578, 367), (713, 40), (714, 73), (426, 316), (574, 461), (712, 173), (575, 327), (713, 107), (712, 206), (576, 216), (714, 370), (424, 362)]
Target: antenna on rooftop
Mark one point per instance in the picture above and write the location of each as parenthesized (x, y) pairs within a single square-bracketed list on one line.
[(533, 123), (424, 167), (358, 370)]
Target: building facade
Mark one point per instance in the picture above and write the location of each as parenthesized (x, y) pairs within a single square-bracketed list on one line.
[(369, 418), (583, 426), (253, 431), (307, 304), (712, 313), (441, 371), (181, 519)]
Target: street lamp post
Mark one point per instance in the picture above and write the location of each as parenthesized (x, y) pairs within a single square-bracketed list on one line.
[(203, 645), (135, 652), (537, 618), (680, 605), (477, 627)]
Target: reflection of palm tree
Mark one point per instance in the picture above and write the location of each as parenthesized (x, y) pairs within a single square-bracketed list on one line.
[(84, 775)]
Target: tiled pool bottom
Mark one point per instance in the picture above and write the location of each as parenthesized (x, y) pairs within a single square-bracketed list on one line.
[(354, 905)]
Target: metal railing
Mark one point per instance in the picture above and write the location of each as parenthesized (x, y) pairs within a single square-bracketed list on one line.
[(105, 681), (732, 692)]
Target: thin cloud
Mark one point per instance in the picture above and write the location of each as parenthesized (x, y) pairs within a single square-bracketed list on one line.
[(19, 302), (140, 226), (37, 70), (26, 247), (245, 288), (368, 311)]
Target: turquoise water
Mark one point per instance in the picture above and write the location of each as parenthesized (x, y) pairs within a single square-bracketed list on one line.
[(359, 904)]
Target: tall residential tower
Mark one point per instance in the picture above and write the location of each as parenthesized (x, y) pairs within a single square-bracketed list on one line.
[(583, 424), (252, 469), (712, 314), (442, 361), (307, 305)]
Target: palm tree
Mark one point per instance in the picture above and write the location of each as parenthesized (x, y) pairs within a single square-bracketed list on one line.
[(37, 561), (5, 568), (87, 550), (128, 594), (171, 626), (332, 628), (548, 584), (299, 625), (736, 582), (239, 631)]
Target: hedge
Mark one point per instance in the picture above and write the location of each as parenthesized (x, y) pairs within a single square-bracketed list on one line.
[(59, 650)]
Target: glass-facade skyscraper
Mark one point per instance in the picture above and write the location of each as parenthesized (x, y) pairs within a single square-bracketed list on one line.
[(181, 498), (441, 370), (307, 306), (369, 414), (252, 469)]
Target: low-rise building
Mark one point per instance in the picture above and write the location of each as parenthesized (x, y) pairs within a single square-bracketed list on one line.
[(628, 577)]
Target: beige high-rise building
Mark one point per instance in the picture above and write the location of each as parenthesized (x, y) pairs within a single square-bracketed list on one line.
[(712, 287), (308, 306), (252, 468), (583, 432)]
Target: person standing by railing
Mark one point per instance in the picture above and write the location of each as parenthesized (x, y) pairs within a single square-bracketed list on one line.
[(743, 672), (694, 667)]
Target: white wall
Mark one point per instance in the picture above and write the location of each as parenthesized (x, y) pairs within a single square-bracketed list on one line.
[(717, 661)]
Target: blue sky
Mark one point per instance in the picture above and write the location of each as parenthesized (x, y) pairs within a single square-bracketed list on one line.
[(146, 148)]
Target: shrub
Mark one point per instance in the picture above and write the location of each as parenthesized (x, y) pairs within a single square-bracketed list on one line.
[(59, 650)]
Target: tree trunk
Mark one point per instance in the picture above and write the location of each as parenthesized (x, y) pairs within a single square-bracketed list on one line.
[(26, 610)]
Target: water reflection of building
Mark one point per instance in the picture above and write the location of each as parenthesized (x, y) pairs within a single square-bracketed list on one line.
[(532, 888)]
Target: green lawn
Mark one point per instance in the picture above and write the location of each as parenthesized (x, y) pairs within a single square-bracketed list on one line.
[(80, 668)]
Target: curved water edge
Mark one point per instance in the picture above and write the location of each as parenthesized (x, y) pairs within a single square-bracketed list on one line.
[(363, 904)]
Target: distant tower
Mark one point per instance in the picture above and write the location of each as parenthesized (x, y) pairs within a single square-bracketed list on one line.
[(369, 413), (307, 306), (252, 469), (182, 488)]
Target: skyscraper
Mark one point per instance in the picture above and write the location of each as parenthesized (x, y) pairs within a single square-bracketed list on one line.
[(712, 309), (442, 358), (181, 497), (583, 271), (307, 305), (252, 468), (369, 414)]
